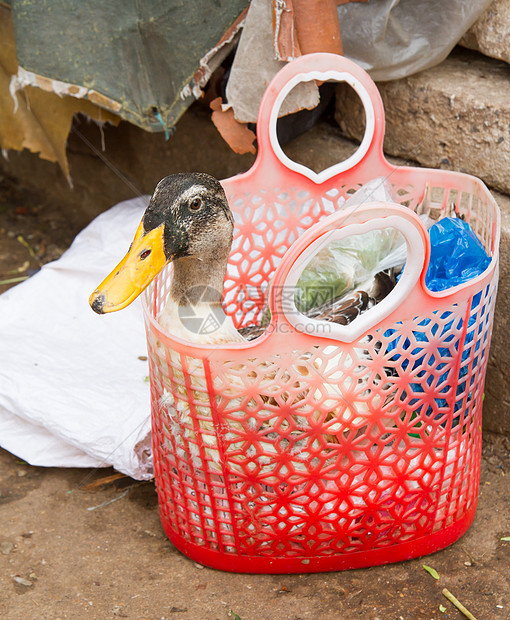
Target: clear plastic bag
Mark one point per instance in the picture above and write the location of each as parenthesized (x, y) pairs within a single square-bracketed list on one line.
[(457, 255), (344, 266), (351, 263), (392, 39)]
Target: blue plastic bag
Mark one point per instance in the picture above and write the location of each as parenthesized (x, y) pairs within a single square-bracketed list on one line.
[(456, 256)]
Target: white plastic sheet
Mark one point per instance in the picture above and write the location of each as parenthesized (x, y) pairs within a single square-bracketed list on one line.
[(73, 391)]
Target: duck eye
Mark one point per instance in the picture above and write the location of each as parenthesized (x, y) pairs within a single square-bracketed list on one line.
[(196, 203), (144, 254)]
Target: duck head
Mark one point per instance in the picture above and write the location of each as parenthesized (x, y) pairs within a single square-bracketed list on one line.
[(187, 218)]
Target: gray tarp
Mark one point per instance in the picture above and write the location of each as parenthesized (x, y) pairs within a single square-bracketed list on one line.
[(142, 56)]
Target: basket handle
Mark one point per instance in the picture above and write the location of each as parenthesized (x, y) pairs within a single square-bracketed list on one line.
[(323, 67), (410, 289)]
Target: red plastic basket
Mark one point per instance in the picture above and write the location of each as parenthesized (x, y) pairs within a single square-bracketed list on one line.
[(310, 449)]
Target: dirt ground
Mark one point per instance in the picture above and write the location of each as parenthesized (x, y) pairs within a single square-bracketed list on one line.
[(71, 548), (72, 552)]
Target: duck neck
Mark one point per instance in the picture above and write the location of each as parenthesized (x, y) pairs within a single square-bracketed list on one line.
[(197, 281)]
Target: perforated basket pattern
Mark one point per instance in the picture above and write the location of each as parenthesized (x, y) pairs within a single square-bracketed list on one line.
[(305, 451)]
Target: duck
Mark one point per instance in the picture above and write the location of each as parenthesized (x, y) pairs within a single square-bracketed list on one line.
[(188, 223)]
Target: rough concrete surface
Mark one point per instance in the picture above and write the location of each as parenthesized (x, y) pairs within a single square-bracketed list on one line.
[(497, 384), (489, 34), (454, 116)]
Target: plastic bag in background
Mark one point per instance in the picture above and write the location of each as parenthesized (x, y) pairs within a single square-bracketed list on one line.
[(456, 254), (392, 39), (73, 385)]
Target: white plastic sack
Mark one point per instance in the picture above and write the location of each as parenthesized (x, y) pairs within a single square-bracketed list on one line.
[(73, 391), (392, 39)]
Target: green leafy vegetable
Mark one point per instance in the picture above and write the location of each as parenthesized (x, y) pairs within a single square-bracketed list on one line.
[(343, 265)]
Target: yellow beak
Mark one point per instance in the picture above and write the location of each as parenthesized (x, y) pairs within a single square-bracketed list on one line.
[(145, 259)]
